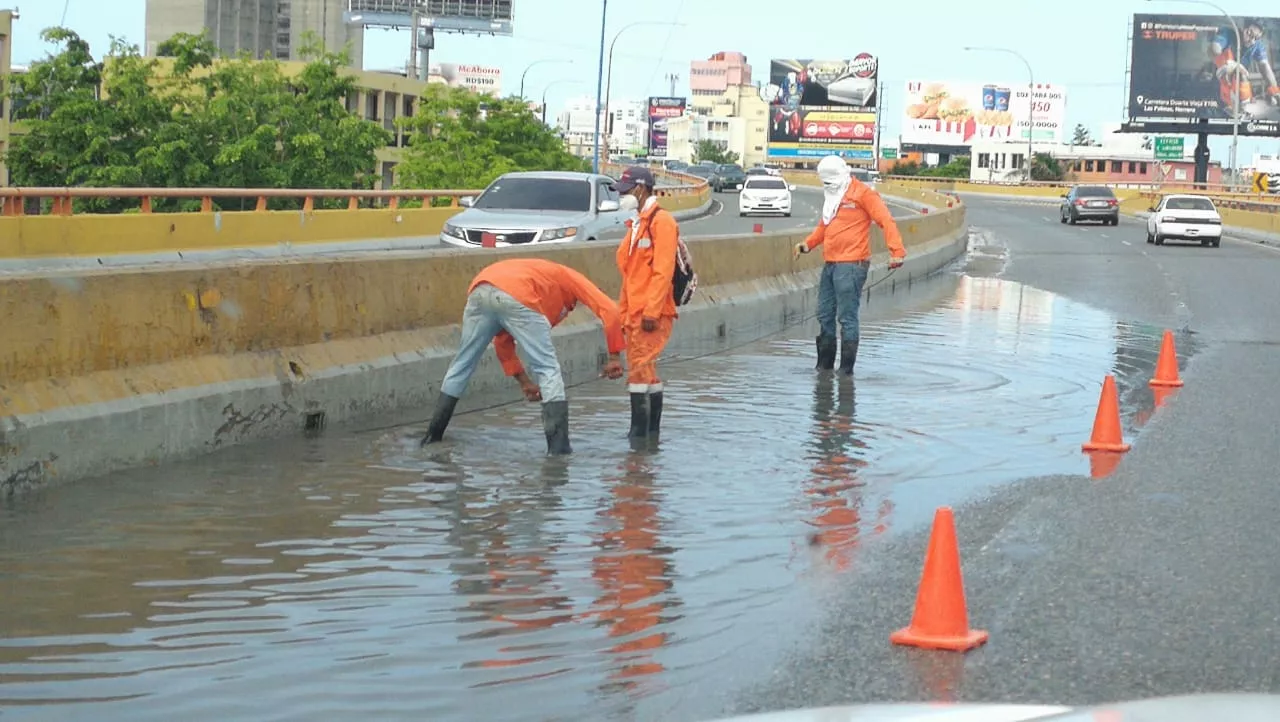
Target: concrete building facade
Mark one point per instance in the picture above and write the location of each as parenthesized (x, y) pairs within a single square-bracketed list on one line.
[(264, 28)]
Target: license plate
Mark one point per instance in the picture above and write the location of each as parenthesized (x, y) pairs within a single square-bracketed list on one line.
[(488, 240), (1098, 204), (738, 186)]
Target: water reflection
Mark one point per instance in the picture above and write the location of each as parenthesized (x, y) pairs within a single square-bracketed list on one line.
[(361, 575), (634, 571)]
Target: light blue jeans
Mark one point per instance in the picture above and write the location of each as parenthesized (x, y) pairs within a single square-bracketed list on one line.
[(490, 310), (840, 296)]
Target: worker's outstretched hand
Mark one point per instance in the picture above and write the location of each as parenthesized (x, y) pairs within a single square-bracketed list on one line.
[(897, 262), (800, 248), (531, 391), (612, 368)]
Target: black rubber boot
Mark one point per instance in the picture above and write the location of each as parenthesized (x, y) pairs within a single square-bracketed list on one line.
[(639, 416), (848, 356), (655, 415), (440, 418), (555, 421), (826, 353)]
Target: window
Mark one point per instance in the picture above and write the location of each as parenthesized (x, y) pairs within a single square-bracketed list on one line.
[(1018, 159), (1133, 166), (766, 183), (1088, 166), (1188, 204), (605, 192), (984, 160), (1076, 166), (540, 194), (1142, 168), (1094, 192)]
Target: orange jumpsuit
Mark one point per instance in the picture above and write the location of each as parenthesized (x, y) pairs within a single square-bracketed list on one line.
[(848, 237), (647, 262)]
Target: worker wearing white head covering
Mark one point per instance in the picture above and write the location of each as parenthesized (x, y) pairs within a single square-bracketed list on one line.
[(849, 208)]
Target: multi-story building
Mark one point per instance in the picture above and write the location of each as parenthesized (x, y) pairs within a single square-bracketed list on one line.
[(715, 75), (736, 120), (261, 27), (630, 126), (577, 123)]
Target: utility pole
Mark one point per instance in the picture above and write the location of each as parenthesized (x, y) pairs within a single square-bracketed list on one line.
[(671, 79), (875, 160)]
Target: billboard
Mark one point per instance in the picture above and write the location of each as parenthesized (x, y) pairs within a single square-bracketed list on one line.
[(488, 17), (823, 107), (957, 114), (477, 78), (1188, 67), (660, 109)]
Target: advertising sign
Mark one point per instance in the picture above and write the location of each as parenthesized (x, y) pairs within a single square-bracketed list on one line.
[(661, 109), (1189, 67), (477, 78), (823, 107), (489, 17), (956, 114)]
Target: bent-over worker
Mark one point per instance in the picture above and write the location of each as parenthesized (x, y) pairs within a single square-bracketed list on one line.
[(849, 207), (517, 302)]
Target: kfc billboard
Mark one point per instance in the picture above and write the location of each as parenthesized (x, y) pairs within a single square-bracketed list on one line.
[(661, 109), (1189, 67), (823, 107), (956, 114)]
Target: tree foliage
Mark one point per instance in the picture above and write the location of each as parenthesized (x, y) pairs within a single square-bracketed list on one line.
[(709, 151), (1047, 168), (1081, 135), (462, 139), (957, 168), (191, 120)]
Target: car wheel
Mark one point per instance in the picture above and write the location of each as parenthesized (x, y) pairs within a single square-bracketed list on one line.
[(742, 214), (1217, 243), (1150, 238), (1062, 217), (1159, 240), (1115, 221), (1071, 218), (787, 214)]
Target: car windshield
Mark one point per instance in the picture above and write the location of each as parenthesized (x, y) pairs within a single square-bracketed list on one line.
[(536, 194), (757, 171), (1094, 192), (699, 170), (772, 184), (1188, 204), (729, 168)]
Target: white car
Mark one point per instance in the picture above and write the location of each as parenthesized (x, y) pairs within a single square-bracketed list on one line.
[(1185, 218), (765, 194)]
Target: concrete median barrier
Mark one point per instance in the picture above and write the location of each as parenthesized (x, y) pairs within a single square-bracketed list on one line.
[(112, 369)]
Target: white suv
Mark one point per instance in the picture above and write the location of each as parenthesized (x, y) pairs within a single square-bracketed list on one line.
[(1187, 218), (765, 194)]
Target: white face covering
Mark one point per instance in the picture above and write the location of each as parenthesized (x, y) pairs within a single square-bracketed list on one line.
[(629, 204), (835, 176)]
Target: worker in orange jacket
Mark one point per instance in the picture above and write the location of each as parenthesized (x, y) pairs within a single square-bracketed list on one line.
[(519, 301), (849, 208), (647, 261)]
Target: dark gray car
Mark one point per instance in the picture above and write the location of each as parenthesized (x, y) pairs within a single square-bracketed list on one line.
[(1090, 203)]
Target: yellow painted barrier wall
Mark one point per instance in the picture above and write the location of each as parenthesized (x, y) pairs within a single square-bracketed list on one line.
[(47, 236), (116, 324)]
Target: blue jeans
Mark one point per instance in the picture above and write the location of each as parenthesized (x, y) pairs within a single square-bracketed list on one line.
[(839, 296), (490, 310)]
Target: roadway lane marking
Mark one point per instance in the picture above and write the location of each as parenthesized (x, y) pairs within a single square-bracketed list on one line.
[(717, 207), (1126, 243)]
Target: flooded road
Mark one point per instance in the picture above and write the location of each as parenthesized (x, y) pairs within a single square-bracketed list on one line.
[(356, 574)]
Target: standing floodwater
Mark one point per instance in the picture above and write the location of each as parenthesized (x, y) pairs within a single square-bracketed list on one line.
[(358, 575)]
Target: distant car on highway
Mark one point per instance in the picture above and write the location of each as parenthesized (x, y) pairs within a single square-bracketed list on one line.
[(537, 207), (707, 172), (729, 176), (1185, 218), (1089, 203), (765, 194), (762, 170)]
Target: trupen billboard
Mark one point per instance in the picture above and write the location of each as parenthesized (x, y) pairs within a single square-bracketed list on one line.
[(823, 107), (1190, 67)]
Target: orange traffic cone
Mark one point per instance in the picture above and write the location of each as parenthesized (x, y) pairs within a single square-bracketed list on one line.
[(1167, 363), (1106, 425), (940, 620)]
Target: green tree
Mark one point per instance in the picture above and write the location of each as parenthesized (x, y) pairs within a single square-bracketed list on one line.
[(1047, 168), (707, 150), (905, 168), (205, 122), (1081, 136), (460, 139), (958, 168)]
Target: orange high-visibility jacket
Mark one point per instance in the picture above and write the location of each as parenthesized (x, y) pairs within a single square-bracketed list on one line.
[(848, 236), (552, 290), (647, 261)]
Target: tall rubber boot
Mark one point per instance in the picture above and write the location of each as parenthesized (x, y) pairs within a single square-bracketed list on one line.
[(655, 415), (826, 353), (555, 422), (440, 418), (639, 433), (848, 356)]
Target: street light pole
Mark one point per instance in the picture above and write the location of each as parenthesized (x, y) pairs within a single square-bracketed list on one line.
[(551, 85), (531, 66), (608, 83), (1031, 102), (595, 153), (1235, 84)]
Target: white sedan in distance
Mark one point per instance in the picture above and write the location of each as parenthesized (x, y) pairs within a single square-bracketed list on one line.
[(1185, 218), (765, 194)]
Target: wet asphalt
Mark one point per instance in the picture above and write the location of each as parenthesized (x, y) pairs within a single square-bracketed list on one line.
[(1159, 579)]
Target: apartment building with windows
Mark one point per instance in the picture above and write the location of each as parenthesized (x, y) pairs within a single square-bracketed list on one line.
[(264, 28)]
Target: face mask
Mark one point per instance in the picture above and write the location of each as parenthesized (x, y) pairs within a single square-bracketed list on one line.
[(629, 204)]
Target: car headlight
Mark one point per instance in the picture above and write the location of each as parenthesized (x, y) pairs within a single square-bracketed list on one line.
[(558, 234), (451, 230)]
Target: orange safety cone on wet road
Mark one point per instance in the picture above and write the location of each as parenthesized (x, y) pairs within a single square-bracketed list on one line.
[(1107, 435), (1167, 364), (940, 620)]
